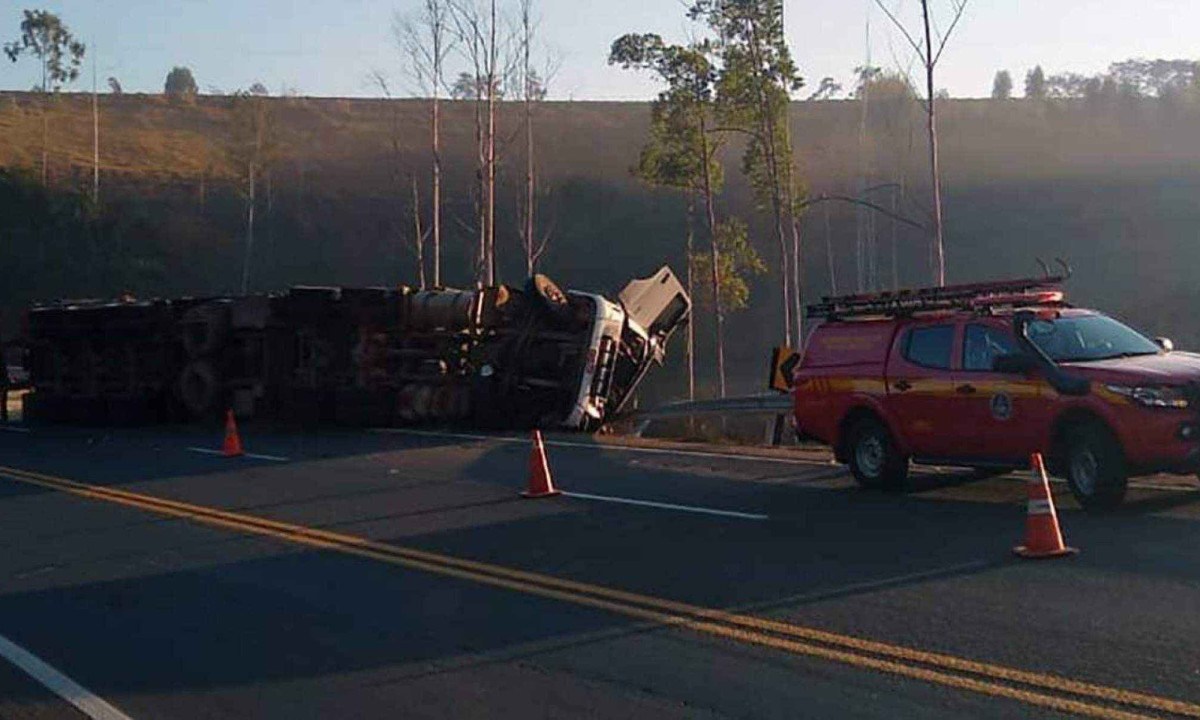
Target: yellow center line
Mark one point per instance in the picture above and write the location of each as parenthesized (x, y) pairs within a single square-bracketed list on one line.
[(748, 629)]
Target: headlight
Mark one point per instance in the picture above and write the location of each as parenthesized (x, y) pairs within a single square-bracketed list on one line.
[(1160, 397)]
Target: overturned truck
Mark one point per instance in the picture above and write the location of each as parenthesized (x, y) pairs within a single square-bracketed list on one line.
[(494, 357)]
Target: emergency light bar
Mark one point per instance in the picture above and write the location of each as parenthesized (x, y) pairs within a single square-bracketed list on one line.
[(1021, 292)]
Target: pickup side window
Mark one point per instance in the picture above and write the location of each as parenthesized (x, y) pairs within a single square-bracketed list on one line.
[(982, 345), (930, 347)]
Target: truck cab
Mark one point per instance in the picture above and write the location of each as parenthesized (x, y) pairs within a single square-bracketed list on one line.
[(984, 375)]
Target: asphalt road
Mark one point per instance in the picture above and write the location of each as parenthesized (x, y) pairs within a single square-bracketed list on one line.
[(396, 574)]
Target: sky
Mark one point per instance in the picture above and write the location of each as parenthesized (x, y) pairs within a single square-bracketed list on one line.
[(331, 47)]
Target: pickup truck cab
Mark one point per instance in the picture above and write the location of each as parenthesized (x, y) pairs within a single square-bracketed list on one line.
[(984, 375)]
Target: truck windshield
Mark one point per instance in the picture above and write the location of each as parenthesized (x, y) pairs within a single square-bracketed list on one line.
[(1088, 337)]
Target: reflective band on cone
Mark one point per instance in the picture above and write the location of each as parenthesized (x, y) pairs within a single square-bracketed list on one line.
[(1043, 538)]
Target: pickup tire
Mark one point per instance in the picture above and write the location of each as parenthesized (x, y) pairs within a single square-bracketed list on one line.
[(1095, 466), (875, 460)]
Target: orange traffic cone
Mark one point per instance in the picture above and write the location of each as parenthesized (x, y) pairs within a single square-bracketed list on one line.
[(233, 443), (540, 484), (1043, 538)]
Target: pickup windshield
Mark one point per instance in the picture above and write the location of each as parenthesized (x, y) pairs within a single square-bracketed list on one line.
[(1083, 338)]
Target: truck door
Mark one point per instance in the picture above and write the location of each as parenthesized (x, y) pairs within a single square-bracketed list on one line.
[(1005, 415), (921, 389)]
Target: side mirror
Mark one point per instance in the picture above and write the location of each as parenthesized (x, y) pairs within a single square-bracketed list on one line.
[(1164, 343), (1014, 364)]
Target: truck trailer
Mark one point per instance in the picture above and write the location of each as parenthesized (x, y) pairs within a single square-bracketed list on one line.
[(497, 357)]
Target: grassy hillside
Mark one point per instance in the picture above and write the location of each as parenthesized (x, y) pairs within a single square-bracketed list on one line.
[(1111, 188)]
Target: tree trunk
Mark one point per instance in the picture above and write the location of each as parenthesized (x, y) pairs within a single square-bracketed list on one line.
[(711, 214), (767, 137), (418, 237), (529, 189), (691, 328), (797, 271), (480, 177), (249, 232), (895, 236), (829, 252), (95, 138), (437, 185), (45, 126), (491, 151), (45, 141), (934, 171)]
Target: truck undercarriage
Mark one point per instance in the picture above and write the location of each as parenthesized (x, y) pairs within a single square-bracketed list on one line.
[(493, 357)]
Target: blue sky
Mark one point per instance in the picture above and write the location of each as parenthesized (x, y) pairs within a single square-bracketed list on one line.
[(328, 48)]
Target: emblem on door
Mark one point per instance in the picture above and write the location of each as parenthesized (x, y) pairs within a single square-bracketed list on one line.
[(1002, 406)]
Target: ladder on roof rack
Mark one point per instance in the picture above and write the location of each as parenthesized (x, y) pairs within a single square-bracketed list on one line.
[(1027, 291)]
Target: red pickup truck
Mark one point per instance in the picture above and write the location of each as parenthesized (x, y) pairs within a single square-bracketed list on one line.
[(983, 375)]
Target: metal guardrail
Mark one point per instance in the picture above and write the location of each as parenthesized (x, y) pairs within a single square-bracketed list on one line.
[(777, 404), (766, 403)]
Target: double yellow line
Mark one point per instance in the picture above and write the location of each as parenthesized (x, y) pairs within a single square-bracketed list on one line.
[(1047, 691)]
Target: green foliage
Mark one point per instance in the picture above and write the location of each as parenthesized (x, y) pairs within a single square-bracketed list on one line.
[(826, 90), (470, 87), (180, 84), (754, 87), (1002, 85), (681, 115), (737, 263), (1035, 83), (44, 36)]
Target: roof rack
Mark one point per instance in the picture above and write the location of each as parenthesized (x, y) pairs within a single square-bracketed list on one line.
[(973, 296)]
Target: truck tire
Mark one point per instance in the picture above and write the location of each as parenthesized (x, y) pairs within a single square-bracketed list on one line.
[(199, 389), (1095, 466), (551, 298), (875, 460), (204, 328)]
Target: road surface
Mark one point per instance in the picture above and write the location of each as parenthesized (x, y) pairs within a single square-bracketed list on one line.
[(399, 574)]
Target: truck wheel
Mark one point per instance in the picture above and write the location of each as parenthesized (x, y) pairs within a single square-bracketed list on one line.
[(204, 328), (1095, 467), (874, 459), (198, 389), (549, 296)]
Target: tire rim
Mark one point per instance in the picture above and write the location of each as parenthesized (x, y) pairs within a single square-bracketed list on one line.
[(1085, 469), (869, 456)]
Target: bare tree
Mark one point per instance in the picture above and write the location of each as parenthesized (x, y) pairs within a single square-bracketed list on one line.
[(255, 145), (471, 31), (425, 38), (397, 180), (929, 56), (533, 90)]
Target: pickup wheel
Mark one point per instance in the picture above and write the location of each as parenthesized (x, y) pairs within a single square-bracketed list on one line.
[(1095, 467), (874, 459)]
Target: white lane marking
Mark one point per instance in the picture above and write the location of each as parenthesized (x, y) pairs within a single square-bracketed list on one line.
[(272, 458), (84, 700), (667, 506), (10, 428), (601, 446)]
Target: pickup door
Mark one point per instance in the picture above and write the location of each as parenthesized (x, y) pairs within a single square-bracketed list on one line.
[(920, 389), (1005, 416)]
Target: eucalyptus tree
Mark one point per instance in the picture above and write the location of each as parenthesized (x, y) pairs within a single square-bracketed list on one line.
[(756, 78), (46, 37), (681, 150)]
